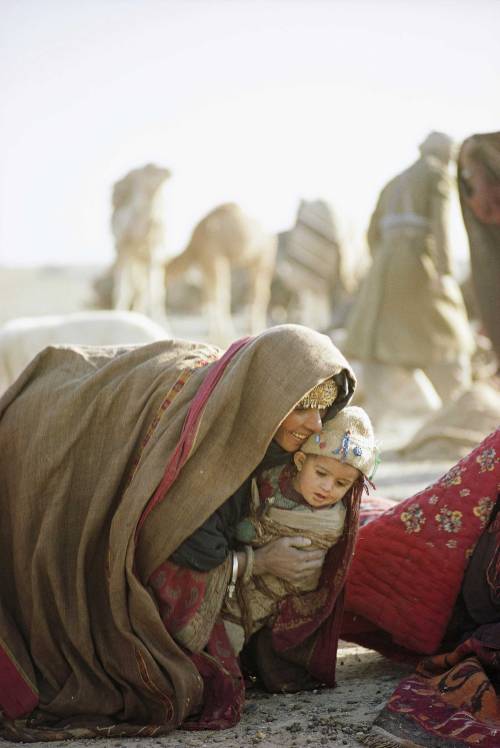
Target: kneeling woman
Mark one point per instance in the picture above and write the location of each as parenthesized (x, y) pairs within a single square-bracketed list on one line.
[(111, 462)]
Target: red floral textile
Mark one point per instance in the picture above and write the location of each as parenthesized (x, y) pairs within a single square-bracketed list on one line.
[(450, 700), (409, 563), (453, 698), (179, 592)]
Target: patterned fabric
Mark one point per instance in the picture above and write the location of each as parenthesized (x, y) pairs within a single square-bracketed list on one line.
[(224, 688), (348, 438), (372, 507), (277, 485), (308, 622), (189, 601), (450, 701), (318, 614), (430, 536), (453, 697), (278, 510), (189, 607)]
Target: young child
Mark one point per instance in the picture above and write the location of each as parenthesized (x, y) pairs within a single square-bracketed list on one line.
[(307, 498)]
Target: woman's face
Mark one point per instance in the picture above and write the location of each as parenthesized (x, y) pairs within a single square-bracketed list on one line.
[(298, 426)]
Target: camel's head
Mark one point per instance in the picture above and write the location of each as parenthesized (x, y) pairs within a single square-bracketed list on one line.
[(154, 176)]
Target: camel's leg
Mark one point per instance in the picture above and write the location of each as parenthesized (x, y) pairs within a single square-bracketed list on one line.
[(260, 279), (156, 308), (123, 292), (139, 271), (217, 295)]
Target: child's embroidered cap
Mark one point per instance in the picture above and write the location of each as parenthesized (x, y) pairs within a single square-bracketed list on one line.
[(348, 438)]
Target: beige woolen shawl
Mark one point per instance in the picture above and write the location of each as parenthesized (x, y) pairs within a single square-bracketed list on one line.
[(85, 436)]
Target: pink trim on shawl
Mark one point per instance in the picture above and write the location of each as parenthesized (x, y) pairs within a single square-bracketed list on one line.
[(183, 448), (17, 697)]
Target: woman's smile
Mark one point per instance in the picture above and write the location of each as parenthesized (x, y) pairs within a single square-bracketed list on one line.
[(299, 435), (290, 435)]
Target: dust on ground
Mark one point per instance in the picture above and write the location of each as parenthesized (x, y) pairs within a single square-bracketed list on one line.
[(324, 717)]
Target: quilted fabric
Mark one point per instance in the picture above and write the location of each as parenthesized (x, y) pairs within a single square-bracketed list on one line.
[(409, 562)]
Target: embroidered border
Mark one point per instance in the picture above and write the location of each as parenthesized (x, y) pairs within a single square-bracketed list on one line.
[(164, 698), (166, 402)]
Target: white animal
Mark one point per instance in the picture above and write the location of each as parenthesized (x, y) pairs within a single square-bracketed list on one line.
[(22, 338), (138, 228), (227, 238)]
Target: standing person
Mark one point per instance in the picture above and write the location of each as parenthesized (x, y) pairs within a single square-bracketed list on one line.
[(137, 453), (479, 188), (410, 312), (312, 495)]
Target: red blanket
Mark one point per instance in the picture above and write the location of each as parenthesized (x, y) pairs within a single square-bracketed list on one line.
[(407, 573), (450, 700), (409, 562)]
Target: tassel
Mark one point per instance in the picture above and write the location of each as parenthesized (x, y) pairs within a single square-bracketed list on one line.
[(378, 738)]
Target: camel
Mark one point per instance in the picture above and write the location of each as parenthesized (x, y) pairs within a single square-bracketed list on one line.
[(224, 239), (138, 230)]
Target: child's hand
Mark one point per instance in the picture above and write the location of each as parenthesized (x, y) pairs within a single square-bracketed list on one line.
[(289, 559)]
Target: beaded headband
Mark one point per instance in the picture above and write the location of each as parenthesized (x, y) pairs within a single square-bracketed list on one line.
[(321, 396)]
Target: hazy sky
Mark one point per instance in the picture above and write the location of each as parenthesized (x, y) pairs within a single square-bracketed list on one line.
[(258, 102)]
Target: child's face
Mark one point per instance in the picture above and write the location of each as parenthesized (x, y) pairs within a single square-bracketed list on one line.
[(323, 481)]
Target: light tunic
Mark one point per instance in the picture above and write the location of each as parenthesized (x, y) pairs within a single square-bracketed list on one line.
[(410, 311)]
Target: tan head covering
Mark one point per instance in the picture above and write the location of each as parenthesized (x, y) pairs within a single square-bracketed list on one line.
[(348, 438), (438, 144)]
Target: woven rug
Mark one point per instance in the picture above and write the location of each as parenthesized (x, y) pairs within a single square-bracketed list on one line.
[(451, 700)]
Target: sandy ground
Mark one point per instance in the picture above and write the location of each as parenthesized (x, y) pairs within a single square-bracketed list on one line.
[(324, 717), (329, 717)]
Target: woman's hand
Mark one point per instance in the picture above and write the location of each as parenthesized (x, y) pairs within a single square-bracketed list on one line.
[(289, 559)]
